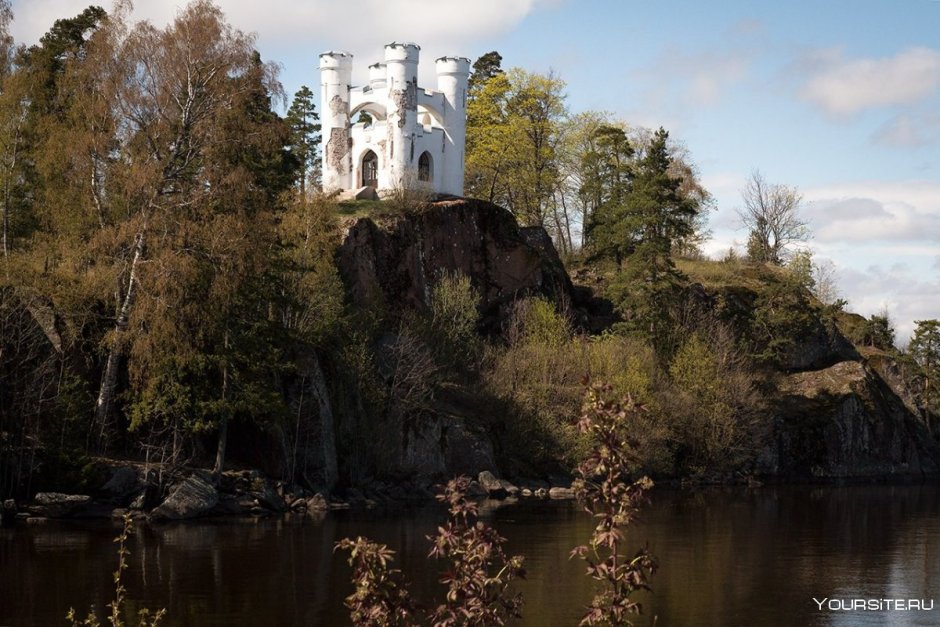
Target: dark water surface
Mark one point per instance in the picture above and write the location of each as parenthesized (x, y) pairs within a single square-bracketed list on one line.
[(727, 557)]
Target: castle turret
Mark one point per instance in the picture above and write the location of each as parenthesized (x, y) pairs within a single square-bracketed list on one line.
[(452, 76), (377, 76), (401, 71), (335, 79)]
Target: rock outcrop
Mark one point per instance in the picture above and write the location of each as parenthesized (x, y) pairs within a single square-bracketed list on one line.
[(396, 261), (845, 421)]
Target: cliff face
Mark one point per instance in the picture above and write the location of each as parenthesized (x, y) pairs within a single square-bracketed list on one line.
[(397, 261), (846, 421)]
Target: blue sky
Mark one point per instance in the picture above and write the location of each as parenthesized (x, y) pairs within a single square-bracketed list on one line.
[(839, 98)]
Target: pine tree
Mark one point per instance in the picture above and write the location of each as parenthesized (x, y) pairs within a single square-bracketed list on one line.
[(655, 215), (305, 137)]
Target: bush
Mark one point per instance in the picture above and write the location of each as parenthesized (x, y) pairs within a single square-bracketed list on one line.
[(544, 381), (712, 408), (410, 195), (454, 317), (535, 321)]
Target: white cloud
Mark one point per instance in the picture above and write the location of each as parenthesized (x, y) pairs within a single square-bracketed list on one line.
[(907, 295), (843, 86), (909, 130), (353, 24), (901, 212), (701, 77), (295, 32)]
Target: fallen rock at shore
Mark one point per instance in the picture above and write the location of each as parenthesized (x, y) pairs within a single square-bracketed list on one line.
[(58, 505), (195, 496)]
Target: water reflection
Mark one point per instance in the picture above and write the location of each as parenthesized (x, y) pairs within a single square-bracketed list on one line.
[(727, 557)]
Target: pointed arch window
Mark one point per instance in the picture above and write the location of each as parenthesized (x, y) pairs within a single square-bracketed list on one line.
[(370, 169), (424, 167)]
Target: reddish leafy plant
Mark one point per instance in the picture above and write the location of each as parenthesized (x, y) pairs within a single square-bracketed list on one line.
[(604, 489), (478, 580), (478, 576), (381, 598)]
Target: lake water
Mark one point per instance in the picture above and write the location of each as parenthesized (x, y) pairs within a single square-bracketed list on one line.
[(727, 557)]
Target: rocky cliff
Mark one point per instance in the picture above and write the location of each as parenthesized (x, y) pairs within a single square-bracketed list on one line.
[(395, 261), (840, 412)]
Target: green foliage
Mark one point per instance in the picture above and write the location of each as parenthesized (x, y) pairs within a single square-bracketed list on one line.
[(535, 321), (305, 139), (604, 489), (878, 331), (484, 68), (312, 306), (924, 350), (782, 316), (652, 217), (544, 382), (454, 318), (714, 410), (801, 267), (513, 125)]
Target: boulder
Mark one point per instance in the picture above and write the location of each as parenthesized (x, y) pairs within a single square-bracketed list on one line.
[(123, 482), (268, 498), (822, 346), (195, 496), (58, 505), (317, 503), (494, 487), (475, 490), (561, 493)]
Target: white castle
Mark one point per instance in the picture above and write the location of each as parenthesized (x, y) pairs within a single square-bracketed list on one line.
[(416, 135)]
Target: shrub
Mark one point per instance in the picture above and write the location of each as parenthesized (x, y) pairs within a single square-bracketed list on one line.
[(712, 407), (545, 384), (535, 321), (407, 196), (454, 317)]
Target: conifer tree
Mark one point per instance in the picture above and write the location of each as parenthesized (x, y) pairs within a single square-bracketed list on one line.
[(655, 215), (305, 137)]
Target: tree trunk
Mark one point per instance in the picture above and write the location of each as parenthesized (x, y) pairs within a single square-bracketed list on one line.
[(109, 378), (223, 424)]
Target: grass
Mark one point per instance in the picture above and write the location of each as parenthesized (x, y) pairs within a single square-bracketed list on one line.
[(362, 208), (712, 274)]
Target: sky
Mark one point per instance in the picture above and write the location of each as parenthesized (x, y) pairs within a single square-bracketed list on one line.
[(840, 99)]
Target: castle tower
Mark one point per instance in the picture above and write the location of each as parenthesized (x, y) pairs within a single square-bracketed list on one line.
[(452, 76), (401, 71), (335, 79), (416, 136)]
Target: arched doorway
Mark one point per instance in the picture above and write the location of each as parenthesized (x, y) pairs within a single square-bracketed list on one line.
[(370, 169), (424, 167)]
